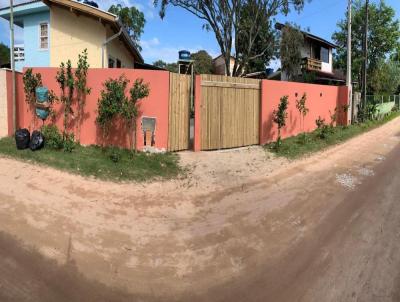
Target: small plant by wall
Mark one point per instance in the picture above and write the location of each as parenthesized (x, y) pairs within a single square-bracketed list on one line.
[(138, 92), (280, 116), (69, 83), (31, 82), (322, 128), (110, 103), (303, 110), (81, 87), (65, 79), (114, 103)]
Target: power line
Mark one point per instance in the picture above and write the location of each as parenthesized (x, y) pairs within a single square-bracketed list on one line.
[(325, 9)]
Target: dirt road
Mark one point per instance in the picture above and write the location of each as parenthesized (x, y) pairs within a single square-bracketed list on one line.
[(326, 228)]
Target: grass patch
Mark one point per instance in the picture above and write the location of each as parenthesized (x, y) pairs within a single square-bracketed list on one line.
[(298, 146), (107, 164)]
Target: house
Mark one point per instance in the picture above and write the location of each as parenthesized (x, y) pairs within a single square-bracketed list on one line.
[(57, 30), (317, 59), (219, 65)]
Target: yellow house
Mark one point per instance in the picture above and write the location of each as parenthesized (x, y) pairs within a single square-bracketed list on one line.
[(55, 31)]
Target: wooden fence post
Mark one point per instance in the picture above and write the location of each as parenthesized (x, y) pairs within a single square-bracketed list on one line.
[(197, 112)]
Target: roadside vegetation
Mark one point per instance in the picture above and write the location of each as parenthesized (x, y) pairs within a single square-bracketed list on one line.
[(63, 151), (324, 136), (103, 163)]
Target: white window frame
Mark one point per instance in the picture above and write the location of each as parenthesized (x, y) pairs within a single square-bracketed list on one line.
[(40, 35)]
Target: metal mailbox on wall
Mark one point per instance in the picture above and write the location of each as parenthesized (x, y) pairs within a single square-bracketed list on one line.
[(148, 128)]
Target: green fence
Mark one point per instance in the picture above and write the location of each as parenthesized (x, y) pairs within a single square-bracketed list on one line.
[(380, 99), (385, 103)]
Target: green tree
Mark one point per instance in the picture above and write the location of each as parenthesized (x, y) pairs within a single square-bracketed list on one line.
[(202, 62), (383, 38), (234, 23), (172, 67), (292, 40), (4, 54), (386, 78), (264, 48), (280, 116), (303, 110), (114, 103), (132, 19)]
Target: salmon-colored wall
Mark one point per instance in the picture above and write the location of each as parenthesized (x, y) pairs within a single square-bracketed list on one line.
[(19, 88), (321, 100), (155, 105)]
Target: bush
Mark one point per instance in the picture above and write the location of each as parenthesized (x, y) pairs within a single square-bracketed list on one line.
[(52, 137), (69, 142), (323, 129), (114, 154)]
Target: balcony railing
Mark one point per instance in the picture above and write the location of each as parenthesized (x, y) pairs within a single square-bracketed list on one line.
[(311, 64)]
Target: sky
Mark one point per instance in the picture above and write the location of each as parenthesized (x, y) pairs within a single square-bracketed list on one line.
[(162, 39)]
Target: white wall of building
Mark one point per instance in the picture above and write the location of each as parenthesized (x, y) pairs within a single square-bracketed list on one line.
[(3, 104)]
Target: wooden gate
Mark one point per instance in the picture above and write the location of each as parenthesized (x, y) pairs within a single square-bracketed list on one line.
[(230, 112), (179, 112)]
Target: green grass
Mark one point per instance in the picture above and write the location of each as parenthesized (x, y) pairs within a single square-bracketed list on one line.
[(97, 162), (295, 147)]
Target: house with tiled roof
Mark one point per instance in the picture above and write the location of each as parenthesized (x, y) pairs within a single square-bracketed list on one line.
[(57, 30)]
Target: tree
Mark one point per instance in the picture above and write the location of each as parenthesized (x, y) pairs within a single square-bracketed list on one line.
[(291, 44), (132, 19), (264, 44), (172, 67), (4, 54), (386, 78), (383, 38), (113, 103), (202, 62), (236, 24), (303, 110), (280, 116), (139, 91)]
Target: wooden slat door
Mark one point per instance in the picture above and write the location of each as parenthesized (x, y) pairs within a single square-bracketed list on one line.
[(230, 112), (179, 112)]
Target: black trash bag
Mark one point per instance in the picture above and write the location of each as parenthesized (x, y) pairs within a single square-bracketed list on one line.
[(37, 141), (22, 138)]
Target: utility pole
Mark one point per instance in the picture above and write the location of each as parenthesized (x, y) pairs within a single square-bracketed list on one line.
[(365, 46), (348, 74), (14, 107)]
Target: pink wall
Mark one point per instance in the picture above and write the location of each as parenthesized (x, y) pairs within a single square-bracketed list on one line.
[(155, 105), (320, 100), (19, 88)]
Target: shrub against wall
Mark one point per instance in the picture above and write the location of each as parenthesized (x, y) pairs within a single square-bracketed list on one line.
[(114, 103)]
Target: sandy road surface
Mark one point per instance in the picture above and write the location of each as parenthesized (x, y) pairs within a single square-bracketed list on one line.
[(326, 228)]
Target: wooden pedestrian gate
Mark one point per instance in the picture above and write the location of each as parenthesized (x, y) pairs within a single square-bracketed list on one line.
[(179, 112), (230, 112)]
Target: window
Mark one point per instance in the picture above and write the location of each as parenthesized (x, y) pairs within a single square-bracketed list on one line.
[(111, 63), (44, 35), (119, 64), (324, 55), (316, 52)]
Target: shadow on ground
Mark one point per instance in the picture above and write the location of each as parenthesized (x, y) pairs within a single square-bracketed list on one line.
[(25, 275)]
